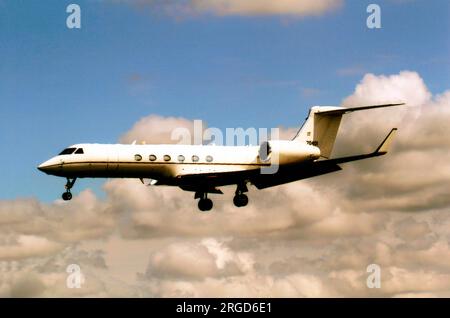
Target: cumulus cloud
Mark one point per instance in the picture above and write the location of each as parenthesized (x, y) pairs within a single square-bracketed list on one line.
[(296, 8), (197, 260), (266, 7), (162, 130), (85, 218), (24, 246), (406, 87), (46, 276), (305, 239), (405, 179)]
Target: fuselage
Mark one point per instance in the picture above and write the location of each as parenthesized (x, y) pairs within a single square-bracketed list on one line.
[(204, 168), (166, 162)]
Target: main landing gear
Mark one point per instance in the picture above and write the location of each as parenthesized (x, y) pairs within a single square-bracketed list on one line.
[(66, 196), (240, 199), (204, 204)]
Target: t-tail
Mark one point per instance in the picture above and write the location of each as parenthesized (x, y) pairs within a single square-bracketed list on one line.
[(322, 124)]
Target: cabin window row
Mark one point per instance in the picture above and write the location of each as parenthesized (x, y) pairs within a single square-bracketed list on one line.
[(181, 158)]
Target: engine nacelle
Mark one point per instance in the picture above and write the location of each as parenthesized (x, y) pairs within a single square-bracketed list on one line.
[(287, 152)]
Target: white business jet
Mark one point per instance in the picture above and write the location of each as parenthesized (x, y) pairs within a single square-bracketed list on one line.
[(202, 169)]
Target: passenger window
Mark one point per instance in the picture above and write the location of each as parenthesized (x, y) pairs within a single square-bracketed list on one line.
[(181, 158), (79, 151), (195, 158), (152, 157), (67, 151), (166, 158), (137, 157), (209, 158)]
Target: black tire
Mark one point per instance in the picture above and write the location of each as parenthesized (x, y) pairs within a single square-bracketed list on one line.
[(205, 204), (66, 196), (236, 201), (244, 199), (240, 200)]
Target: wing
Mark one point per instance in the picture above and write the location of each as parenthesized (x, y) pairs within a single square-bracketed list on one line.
[(294, 173), (209, 182), (316, 168)]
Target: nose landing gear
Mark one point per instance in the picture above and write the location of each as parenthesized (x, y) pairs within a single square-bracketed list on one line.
[(66, 196)]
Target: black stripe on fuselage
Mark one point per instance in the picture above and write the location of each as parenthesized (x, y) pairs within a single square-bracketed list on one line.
[(159, 163)]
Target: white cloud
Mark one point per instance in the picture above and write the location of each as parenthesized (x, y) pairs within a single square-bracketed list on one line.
[(158, 130), (208, 258), (266, 7), (24, 246), (405, 87), (295, 8)]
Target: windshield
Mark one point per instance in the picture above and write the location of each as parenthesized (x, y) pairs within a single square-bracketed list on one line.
[(67, 151)]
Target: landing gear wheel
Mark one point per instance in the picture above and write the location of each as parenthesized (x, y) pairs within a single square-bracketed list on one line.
[(240, 200), (66, 196), (205, 204)]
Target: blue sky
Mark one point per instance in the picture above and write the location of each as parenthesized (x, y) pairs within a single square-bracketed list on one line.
[(61, 86)]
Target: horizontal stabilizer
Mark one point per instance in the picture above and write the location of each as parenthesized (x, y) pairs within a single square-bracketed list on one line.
[(382, 149), (344, 110)]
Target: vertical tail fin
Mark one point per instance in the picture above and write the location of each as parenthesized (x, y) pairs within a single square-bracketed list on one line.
[(321, 127)]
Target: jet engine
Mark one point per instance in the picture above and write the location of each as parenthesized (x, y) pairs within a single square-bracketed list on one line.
[(287, 152)]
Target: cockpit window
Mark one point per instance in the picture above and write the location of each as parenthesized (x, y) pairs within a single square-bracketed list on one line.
[(67, 151), (79, 151)]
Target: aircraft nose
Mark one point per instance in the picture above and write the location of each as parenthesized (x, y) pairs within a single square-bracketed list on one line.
[(48, 166), (43, 167)]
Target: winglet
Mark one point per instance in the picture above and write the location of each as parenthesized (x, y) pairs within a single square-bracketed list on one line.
[(386, 144)]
